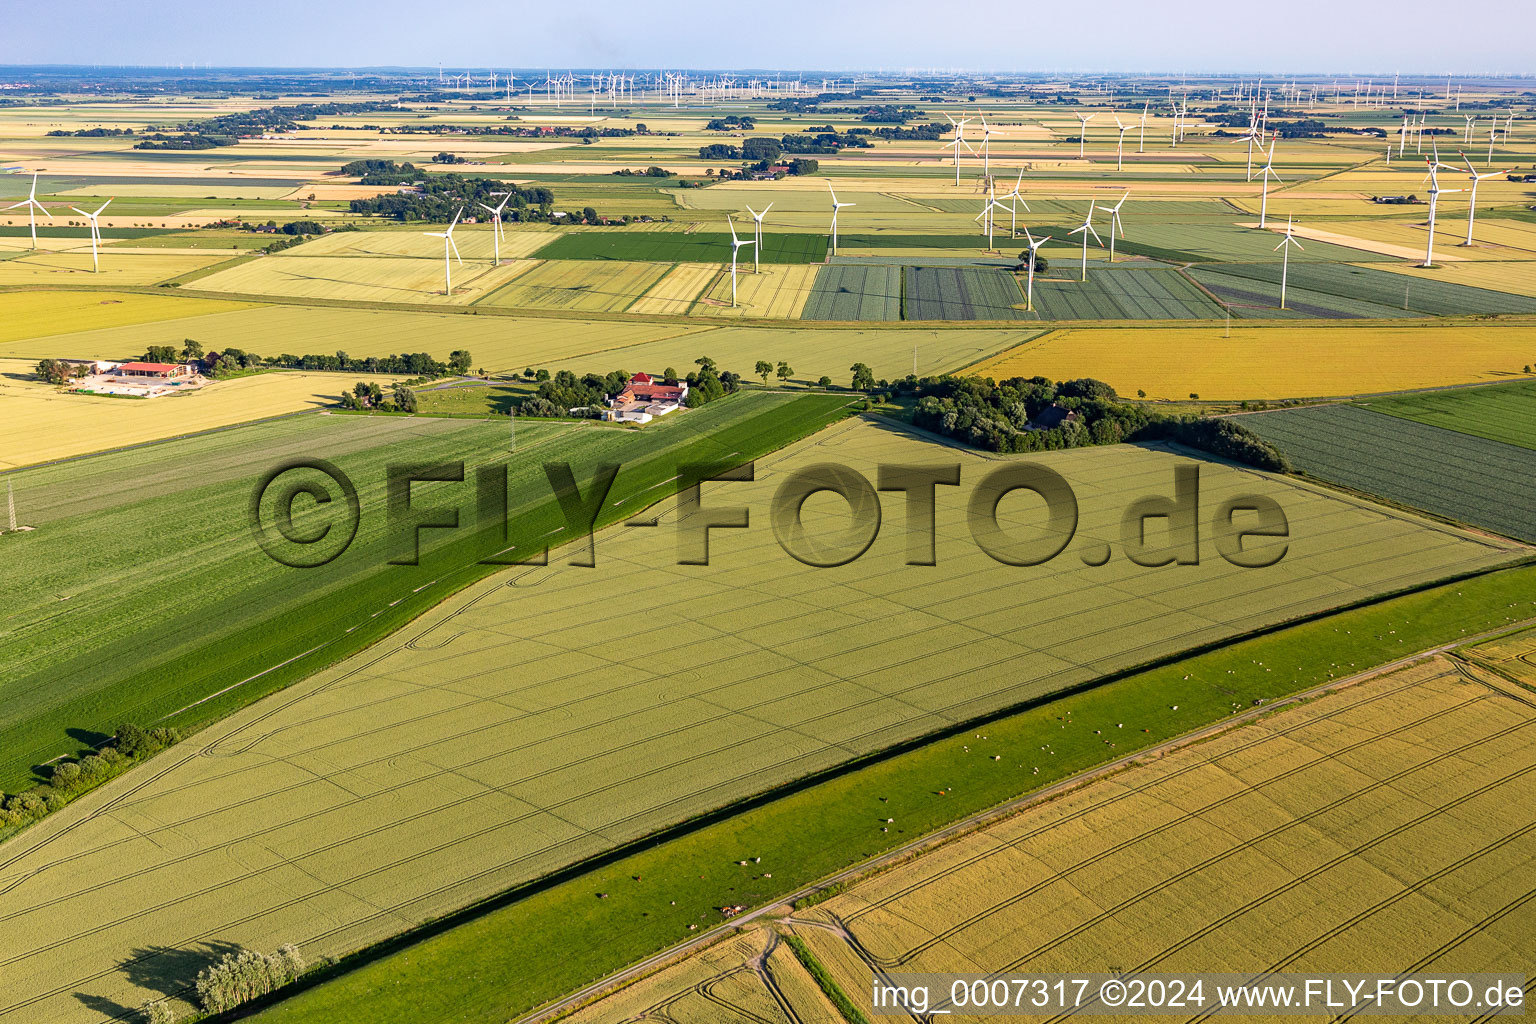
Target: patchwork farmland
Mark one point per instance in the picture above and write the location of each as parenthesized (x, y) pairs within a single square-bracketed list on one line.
[(1498, 412), (855, 292), (385, 788), (960, 293)]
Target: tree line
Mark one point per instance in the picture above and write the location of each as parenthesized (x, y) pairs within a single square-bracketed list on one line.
[(70, 777)]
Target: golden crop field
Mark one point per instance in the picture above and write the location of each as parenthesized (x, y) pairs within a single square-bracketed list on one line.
[(40, 422), (381, 279), (585, 285), (1270, 363), (474, 242), (146, 266), (779, 291), (674, 294), (500, 344), (1497, 240), (1370, 826), (34, 315), (419, 775), (1514, 655), (1518, 276)]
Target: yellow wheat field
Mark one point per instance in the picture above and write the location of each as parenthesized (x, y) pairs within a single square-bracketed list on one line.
[(1267, 363), (590, 285), (117, 267), (675, 292), (778, 291), (474, 242), (1518, 276), (375, 279), (28, 315), (40, 422)]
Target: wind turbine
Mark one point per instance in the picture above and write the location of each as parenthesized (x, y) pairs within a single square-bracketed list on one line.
[(1285, 257), (986, 211), (1013, 208), (1269, 168), (1120, 145), (757, 232), (448, 243), (1250, 135), (1141, 146), (987, 131), (1434, 201), (1472, 206), (1115, 224), (96, 233), (495, 212), (1029, 291), (736, 245), (958, 141), (1082, 135), (835, 207), (32, 204), (1086, 228)]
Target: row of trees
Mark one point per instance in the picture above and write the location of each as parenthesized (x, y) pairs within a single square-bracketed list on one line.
[(437, 197), (70, 777), (55, 371), (232, 361)]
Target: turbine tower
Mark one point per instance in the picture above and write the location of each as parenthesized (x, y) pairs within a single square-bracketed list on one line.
[(1285, 257), (1082, 134), (1472, 205), (736, 245), (1269, 169), (33, 205), (96, 233), (1034, 246), (1115, 224), (448, 243), (1120, 144), (835, 207), (958, 141), (495, 212), (757, 233), (1085, 229), (1434, 201)]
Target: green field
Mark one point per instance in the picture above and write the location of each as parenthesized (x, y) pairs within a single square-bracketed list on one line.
[(961, 293), (1120, 292), (847, 292), (682, 247), (473, 399), (1437, 298), (1259, 298), (420, 775), (1499, 412), (497, 965), (1460, 476), (64, 677)]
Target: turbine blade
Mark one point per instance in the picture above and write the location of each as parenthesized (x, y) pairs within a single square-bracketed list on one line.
[(455, 246), (103, 206)]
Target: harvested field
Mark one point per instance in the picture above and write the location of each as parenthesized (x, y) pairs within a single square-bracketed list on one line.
[(393, 787), (846, 292), (779, 292), (677, 290), (1461, 477), (1270, 362)]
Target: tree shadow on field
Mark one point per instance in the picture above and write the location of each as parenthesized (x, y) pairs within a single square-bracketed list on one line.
[(87, 737), (164, 971)]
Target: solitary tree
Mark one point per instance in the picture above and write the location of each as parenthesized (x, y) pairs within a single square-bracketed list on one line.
[(824, 381), (784, 371), (863, 377), (763, 369)]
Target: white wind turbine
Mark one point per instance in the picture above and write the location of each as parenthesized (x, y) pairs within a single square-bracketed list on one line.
[(835, 207), (1115, 224), (1285, 258), (448, 243), (958, 141), (1141, 146), (987, 131), (1034, 246), (1082, 133), (33, 205), (736, 245), (1250, 136), (986, 211), (1013, 208), (1120, 145), (757, 233), (1086, 228), (1269, 169), (1472, 205), (1434, 201), (96, 233), (495, 212)]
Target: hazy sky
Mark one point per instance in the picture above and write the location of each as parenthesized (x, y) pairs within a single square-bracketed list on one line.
[(1364, 36)]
